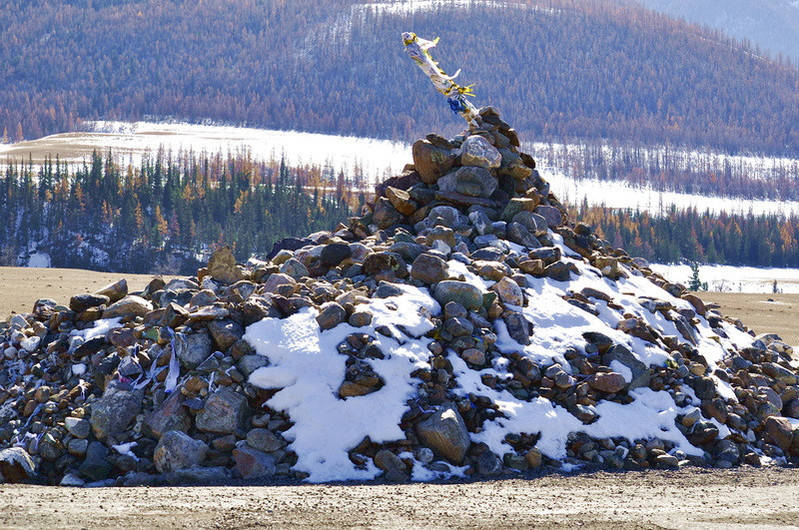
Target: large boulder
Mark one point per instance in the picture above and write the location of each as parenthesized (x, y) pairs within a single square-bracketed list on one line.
[(445, 433), (253, 464), (170, 416), (430, 269), (16, 465), (222, 266), (177, 450), (112, 413), (431, 162), (224, 412), (130, 306), (464, 293), (468, 180), (477, 151)]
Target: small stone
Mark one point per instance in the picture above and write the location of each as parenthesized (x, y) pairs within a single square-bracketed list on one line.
[(70, 480), (177, 450), (489, 464), (250, 363), (222, 266), (225, 333), (667, 461), (77, 427), (192, 349), (519, 328), (331, 314), (359, 319), (431, 162), (253, 464), (558, 271), (474, 356), (779, 431), (429, 269), (264, 440), (553, 216), (81, 302), (77, 447), (130, 306), (534, 458), (392, 465), (471, 181), (334, 253), (170, 416), (16, 465), (608, 382), (112, 413), (509, 292), (294, 268), (115, 291), (445, 433), (96, 465)]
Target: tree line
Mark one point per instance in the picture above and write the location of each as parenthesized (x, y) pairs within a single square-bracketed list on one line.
[(557, 69), (165, 215)]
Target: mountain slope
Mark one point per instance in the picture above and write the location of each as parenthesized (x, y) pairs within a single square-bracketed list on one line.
[(561, 69), (773, 25)]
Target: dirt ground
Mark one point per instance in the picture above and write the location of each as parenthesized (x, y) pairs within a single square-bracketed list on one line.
[(20, 287), (756, 311), (693, 498)]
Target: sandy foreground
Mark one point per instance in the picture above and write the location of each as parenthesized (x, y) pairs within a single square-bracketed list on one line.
[(695, 498)]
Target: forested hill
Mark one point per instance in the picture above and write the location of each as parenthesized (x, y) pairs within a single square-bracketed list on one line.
[(558, 69)]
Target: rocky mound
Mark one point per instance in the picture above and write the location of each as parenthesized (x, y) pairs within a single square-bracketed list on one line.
[(463, 326)]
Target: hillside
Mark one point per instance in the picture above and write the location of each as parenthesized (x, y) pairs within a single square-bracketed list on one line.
[(769, 24), (559, 69)]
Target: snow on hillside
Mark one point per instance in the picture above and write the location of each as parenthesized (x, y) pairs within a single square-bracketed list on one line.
[(726, 278), (131, 141), (375, 159)]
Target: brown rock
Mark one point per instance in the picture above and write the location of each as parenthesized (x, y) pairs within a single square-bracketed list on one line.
[(608, 382), (222, 266)]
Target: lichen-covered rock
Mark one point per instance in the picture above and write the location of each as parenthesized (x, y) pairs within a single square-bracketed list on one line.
[(471, 181), (113, 412), (463, 293), (477, 151), (224, 412), (177, 450), (431, 162)]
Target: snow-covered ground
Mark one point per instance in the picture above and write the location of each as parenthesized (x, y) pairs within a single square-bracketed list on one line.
[(131, 141), (375, 159), (725, 278)]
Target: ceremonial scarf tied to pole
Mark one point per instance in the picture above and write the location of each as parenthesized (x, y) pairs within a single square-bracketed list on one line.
[(418, 49)]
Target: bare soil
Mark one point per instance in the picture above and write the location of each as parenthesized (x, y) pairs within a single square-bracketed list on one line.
[(694, 498), (20, 287), (764, 313)]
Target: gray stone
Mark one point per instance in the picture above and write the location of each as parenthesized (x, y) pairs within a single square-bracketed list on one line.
[(253, 464), (553, 216), (429, 269), (464, 293), (96, 465), (443, 216), (225, 333), (385, 215), (250, 363), (641, 373), (170, 416), (192, 349), (82, 302), (177, 450), (331, 314), (509, 292), (392, 465), (489, 464), (445, 433), (519, 234), (477, 151), (77, 427), (471, 181), (77, 447), (112, 413), (481, 222), (294, 268), (519, 328), (264, 440), (115, 291), (224, 412)]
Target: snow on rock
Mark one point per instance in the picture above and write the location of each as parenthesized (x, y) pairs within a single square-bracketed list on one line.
[(308, 370), (40, 260)]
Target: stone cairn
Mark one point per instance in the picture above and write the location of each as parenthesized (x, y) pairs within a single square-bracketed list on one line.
[(73, 411)]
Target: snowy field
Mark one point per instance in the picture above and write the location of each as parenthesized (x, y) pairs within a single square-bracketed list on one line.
[(132, 141), (375, 159), (725, 278)]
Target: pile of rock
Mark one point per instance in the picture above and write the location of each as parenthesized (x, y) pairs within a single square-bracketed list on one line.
[(154, 387)]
